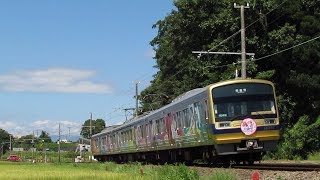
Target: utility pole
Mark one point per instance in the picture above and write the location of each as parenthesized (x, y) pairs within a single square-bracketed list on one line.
[(10, 144), (32, 143), (69, 134), (59, 143), (90, 135), (90, 124), (137, 99), (243, 41)]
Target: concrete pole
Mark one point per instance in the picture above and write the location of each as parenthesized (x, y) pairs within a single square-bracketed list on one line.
[(243, 41), (90, 136), (59, 144), (137, 100), (10, 144)]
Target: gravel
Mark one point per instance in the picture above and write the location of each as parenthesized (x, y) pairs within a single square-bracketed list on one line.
[(244, 174)]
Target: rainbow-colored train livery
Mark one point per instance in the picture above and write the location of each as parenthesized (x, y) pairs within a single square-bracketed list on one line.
[(229, 121)]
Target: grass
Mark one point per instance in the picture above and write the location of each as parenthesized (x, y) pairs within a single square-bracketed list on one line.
[(222, 174), (17, 170), (314, 156), (133, 171)]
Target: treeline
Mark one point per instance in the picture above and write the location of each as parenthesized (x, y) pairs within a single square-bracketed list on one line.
[(283, 35)]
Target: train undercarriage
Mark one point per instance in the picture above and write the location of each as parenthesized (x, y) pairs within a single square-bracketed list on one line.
[(204, 154)]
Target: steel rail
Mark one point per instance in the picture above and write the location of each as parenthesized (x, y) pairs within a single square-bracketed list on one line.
[(280, 167)]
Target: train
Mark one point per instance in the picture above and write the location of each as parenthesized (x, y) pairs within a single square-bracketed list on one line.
[(233, 121)]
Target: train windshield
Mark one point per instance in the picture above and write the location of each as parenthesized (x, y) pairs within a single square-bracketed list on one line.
[(239, 101)]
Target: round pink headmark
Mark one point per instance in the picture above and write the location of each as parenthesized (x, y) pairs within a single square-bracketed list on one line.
[(248, 126)]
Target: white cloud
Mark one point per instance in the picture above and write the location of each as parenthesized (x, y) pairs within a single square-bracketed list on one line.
[(7, 124), (51, 127), (60, 80), (40, 123)]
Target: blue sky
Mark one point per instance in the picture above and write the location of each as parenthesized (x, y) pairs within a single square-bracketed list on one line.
[(61, 60)]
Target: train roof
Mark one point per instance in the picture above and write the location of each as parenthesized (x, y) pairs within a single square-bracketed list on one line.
[(106, 129), (178, 99)]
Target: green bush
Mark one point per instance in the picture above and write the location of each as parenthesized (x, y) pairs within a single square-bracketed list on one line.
[(172, 172), (314, 156), (301, 140)]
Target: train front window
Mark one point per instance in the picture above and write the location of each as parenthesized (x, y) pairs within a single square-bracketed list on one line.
[(238, 101)]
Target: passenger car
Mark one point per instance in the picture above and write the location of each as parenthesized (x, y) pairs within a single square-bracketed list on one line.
[(13, 158)]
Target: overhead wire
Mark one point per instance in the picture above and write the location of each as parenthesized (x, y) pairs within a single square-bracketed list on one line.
[(300, 44), (236, 33), (222, 42), (273, 54)]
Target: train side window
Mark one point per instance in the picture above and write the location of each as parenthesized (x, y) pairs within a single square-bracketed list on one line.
[(206, 109), (147, 130), (142, 131), (130, 135), (175, 121), (185, 118), (104, 141), (197, 117), (121, 137), (135, 131), (153, 128), (114, 140), (180, 120), (158, 126), (163, 127), (202, 112), (139, 132)]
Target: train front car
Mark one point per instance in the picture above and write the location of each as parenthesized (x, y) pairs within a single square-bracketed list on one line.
[(245, 121)]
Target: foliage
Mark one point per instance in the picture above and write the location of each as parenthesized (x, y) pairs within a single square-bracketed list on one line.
[(4, 140), (26, 141), (222, 174), (176, 172), (44, 136), (314, 156), (302, 138), (152, 172), (97, 126)]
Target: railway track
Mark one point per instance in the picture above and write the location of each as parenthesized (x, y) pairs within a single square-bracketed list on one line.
[(280, 167)]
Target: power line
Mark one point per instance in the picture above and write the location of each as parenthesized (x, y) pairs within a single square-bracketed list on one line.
[(144, 77), (267, 13), (233, 35), (286, 49), (264, 57)]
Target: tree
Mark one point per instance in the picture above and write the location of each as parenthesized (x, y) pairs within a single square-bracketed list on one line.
[(97, 126), (4, 140), (272, 26), (27, 141), (204, 24), (45, 137)]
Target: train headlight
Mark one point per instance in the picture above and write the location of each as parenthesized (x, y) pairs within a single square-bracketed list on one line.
[(250, 144), (269, 121)]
